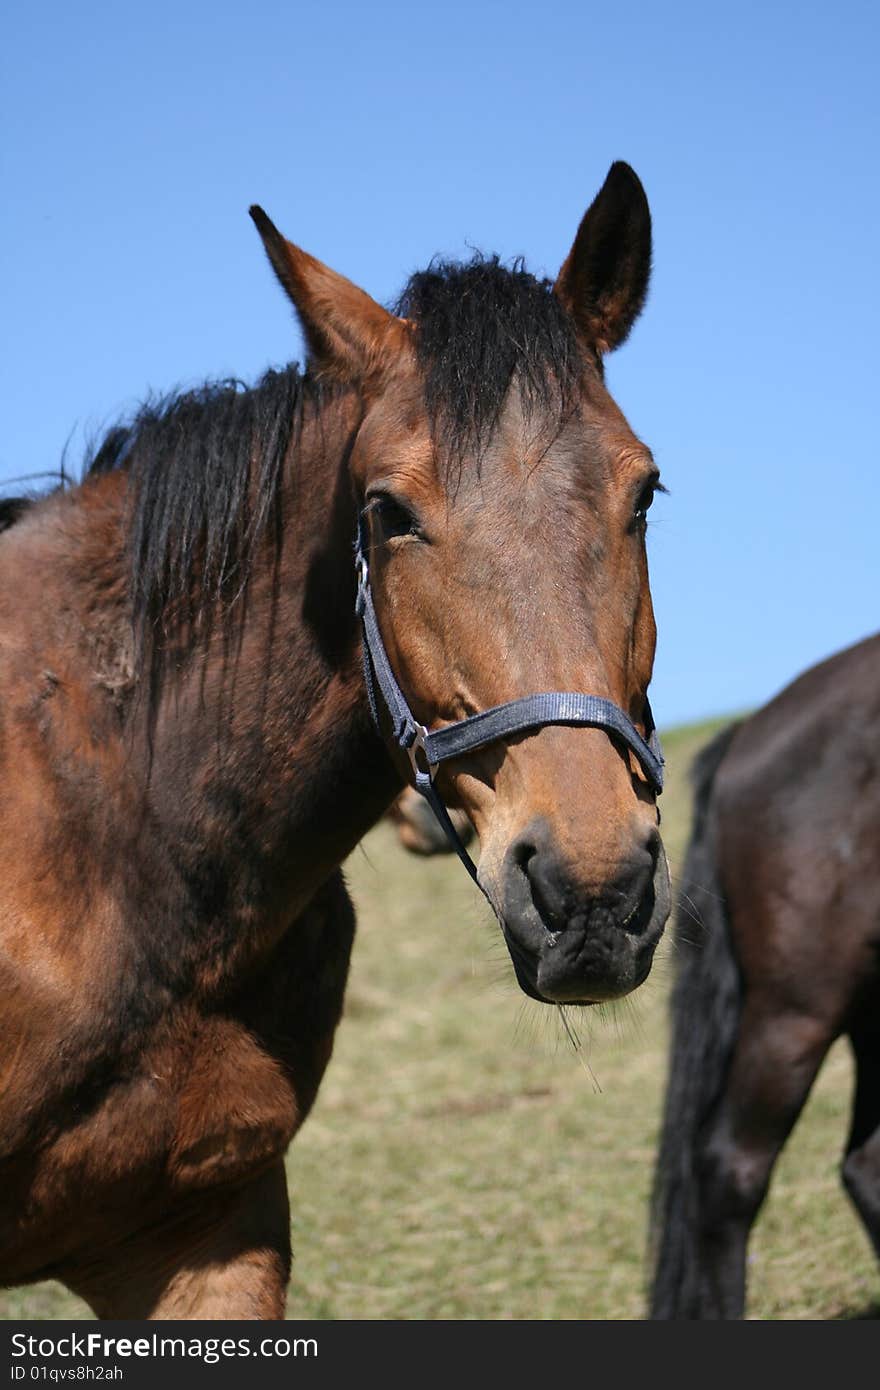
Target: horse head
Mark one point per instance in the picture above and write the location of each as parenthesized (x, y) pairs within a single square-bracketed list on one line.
[(503, 500)]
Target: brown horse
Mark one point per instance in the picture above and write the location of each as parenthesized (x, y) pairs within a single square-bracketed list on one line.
[(418, 829), (189, 752), (783, 874)]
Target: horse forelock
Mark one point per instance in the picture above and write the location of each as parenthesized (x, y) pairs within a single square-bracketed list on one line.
[(480, 328)]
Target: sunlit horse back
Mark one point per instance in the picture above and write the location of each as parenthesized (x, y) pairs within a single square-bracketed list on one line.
[(189, 751)]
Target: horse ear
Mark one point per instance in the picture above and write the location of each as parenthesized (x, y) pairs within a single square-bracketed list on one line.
[(347, 333), (604, 280)]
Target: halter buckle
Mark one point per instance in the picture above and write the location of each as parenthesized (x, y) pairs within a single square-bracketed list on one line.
[(363, 579), (418, 753)]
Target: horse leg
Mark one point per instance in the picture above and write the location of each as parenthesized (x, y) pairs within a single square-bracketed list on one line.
[(227, 1257), (774, 1064), (861, 1166)]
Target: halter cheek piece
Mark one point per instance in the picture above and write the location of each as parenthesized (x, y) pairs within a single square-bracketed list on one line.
[(428, 749)]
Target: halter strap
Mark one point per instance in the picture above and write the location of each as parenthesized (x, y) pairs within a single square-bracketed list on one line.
[(427, 749)]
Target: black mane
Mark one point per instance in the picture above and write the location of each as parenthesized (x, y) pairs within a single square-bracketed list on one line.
[(480, 327), (12, 509), (204, 468)]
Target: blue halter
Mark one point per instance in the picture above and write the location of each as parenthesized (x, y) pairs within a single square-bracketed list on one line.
[(428, 749)]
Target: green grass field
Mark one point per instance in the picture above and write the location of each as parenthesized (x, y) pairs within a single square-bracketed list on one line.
[(463, 1161)]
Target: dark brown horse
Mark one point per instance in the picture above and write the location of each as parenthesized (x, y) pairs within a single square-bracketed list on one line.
[(778, 955), (189, 752)]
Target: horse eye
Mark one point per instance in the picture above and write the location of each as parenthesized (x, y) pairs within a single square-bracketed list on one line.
[(646, 497), (393, 517)]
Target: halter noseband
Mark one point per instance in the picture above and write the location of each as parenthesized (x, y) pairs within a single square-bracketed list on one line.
[(427, 749)]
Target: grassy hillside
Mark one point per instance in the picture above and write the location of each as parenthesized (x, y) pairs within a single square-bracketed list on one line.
[(463, 1161)]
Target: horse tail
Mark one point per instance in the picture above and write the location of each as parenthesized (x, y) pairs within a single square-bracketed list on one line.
[(704, 1009)]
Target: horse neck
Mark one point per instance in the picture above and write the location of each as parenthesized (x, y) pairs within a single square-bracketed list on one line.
[(264, 753)]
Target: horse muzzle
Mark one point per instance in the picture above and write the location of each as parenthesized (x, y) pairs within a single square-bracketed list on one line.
[(570, 945)]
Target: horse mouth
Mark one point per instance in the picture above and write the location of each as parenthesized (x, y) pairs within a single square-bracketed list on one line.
[(526, 972), (594, 958)]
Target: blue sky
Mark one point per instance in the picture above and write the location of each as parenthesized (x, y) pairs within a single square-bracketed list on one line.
[(133, 140)]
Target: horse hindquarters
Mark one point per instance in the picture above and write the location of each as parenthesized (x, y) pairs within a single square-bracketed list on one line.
[(740, 1070)]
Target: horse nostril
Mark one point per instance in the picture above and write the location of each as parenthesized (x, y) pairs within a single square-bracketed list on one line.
[(539, 879), (533, 875), (637, 894), (522, 853), (641, 911), (654, 845), (546, 882)]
